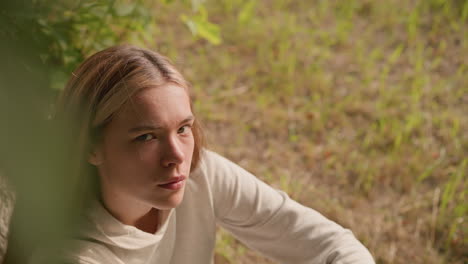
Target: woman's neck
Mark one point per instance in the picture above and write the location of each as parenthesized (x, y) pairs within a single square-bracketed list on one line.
[(150, 222)]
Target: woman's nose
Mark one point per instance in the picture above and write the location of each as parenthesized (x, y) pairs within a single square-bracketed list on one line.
[(173, 154)]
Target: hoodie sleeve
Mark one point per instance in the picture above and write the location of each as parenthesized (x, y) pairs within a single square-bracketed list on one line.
[(270, 222)]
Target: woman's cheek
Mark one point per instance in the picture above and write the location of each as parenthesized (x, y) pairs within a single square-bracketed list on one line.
[(146, 152)]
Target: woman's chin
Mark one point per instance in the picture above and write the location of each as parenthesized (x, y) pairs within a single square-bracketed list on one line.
[(171, 201)]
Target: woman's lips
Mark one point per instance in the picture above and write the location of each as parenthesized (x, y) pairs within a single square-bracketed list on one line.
[(174, 183)]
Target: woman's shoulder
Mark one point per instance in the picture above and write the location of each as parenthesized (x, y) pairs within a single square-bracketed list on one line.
[(212, 162), (214, 167), (209, 157), (213, 175), (220, 173)]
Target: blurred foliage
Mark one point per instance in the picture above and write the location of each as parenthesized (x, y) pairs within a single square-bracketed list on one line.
[(65, 32)]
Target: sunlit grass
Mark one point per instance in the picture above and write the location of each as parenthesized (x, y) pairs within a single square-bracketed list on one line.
[(355, 108)]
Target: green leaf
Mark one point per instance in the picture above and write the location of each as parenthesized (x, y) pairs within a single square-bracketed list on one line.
[(190, 24), (208, 31), (200, 26), (246, 12)]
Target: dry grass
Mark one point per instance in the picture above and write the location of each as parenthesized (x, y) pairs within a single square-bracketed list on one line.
[(356, 108)]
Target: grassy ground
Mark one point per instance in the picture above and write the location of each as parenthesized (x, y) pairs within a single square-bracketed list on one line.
[(356, 108)]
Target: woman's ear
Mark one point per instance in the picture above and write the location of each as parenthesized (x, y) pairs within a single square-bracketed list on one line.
[(95, 157)]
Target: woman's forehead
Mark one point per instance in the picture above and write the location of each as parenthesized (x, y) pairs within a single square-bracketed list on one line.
[(159, 103)]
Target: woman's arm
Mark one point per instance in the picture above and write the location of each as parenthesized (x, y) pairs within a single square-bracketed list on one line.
[(269, 221)]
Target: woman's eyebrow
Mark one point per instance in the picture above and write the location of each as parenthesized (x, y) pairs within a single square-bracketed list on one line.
[(152, 127), (142, 128), (188, 119)]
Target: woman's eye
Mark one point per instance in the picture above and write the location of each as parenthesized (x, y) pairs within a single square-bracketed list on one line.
[(184, 129), (145, 137)]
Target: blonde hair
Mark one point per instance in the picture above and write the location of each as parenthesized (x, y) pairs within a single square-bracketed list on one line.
[(102, 84)]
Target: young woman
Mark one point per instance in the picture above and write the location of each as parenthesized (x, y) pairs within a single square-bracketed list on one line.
[(159, 193)]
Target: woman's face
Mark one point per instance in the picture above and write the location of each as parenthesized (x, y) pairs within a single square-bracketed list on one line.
[(146, 150)]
